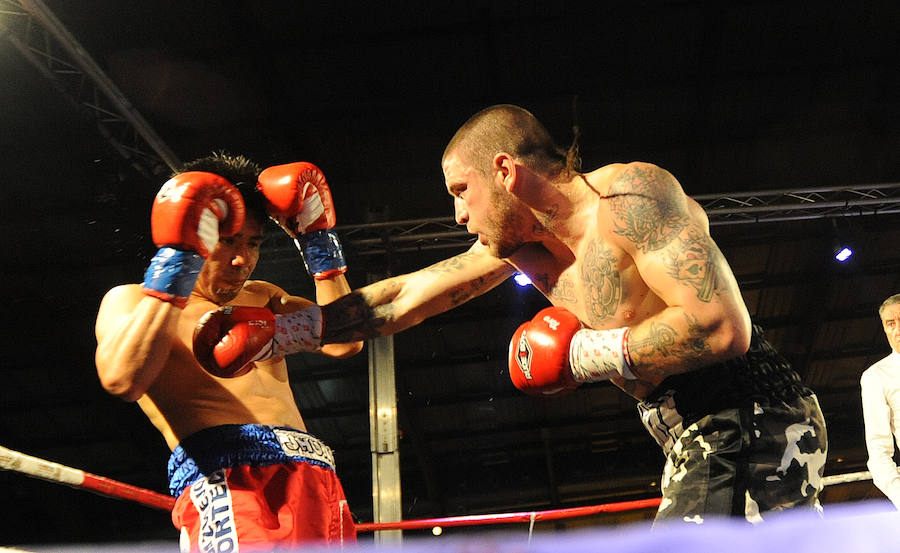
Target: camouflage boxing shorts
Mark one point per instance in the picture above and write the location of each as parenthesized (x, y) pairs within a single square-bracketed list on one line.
[(739, 462), (741, 438)]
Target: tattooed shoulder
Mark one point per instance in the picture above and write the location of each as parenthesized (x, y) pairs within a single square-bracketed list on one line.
[(647, 206)]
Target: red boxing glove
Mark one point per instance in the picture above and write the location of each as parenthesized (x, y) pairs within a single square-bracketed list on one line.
[(298, 197), (192, 209), (189, 212), (539, 353), (228, 340)]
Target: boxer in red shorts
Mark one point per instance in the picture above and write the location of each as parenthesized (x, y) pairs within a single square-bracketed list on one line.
[(243, 467), (248, 483)]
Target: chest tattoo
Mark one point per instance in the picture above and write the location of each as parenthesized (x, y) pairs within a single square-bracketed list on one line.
[(602, 282), (563, 290)]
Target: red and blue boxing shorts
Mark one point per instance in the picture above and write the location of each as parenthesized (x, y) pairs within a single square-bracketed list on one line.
[(254, 486)]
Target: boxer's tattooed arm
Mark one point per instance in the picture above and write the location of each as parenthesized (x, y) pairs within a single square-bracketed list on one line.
[(602, 282), (373, 311), (663, 346), (693, 261), (467, 290), (356, 316), (646, 207)]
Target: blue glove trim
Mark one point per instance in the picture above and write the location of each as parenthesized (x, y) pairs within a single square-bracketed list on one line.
[(173, 272), (322, 252)]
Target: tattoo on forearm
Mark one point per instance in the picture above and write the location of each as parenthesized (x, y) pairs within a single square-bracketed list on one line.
[(463, 293), (696, 344), (644, 210), (453, 264), (659, 340), (602, 281), (662, 340), (370, 311), (693, 261), (352, 317)]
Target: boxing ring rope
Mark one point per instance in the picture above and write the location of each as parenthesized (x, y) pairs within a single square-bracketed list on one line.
[(60, 474), (555, 514), (508, 518), (79, 479)]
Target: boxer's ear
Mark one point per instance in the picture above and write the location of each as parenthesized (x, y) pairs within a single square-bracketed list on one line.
[(504, 169)]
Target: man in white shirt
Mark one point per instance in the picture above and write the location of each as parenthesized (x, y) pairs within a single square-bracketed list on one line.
[(880, 385)]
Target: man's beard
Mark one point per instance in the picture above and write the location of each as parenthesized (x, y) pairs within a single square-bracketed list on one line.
[(505, 248), (505, 238)]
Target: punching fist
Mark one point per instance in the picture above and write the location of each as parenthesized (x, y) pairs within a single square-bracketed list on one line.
[(227, 341), (553, 354), (539, 353), (189, 213)]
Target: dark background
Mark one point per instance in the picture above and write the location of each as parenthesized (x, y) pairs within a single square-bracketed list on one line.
[(730, 97)]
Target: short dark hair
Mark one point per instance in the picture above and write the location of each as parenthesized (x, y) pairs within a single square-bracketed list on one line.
[(893, 300), (516, 131), (239, 171)]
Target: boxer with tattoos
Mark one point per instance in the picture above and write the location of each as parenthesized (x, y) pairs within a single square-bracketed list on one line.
[(641, 296)]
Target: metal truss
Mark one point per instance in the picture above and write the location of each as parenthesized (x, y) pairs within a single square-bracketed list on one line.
[(766, 206), (43, 40), (40, 37), (763, 206)]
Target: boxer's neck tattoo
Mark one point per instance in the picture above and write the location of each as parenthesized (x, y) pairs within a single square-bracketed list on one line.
[(548, 215)]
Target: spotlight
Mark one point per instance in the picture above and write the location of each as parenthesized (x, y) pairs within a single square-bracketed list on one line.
[(843, 254), (521, 279), (842, 238)]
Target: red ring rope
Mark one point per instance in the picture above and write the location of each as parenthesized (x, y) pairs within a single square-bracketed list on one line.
[(61, 474), (537, 516)]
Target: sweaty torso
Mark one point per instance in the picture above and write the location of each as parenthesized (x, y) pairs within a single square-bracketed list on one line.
[(599, 283), (185, 398), (591, 277)]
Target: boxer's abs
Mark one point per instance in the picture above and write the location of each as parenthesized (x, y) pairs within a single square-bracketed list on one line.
[(180, 407)]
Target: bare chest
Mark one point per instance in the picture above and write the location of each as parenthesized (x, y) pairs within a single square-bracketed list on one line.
[(600, 285)]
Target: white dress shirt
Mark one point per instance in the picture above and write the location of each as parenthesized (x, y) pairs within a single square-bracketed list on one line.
[(880, 386)]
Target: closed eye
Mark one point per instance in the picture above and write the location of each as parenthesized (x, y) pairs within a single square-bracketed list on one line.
[(457, 190)]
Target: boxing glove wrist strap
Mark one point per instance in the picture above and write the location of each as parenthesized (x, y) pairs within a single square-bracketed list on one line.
[(300, 331), (172, 274), (322, 253), (596, 355)]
